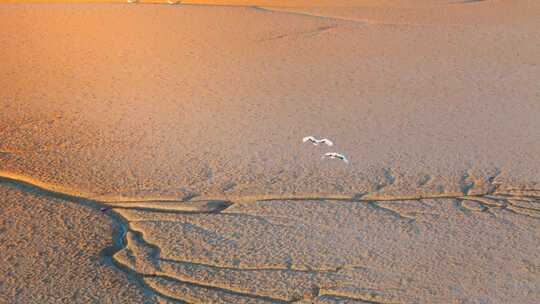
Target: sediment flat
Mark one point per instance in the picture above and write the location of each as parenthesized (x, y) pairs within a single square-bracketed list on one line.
[(186, 123)]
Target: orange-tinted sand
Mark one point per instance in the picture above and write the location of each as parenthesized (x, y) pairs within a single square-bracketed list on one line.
[(187, 121)]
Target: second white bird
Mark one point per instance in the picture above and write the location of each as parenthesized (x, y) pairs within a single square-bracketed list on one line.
[(334, 155)]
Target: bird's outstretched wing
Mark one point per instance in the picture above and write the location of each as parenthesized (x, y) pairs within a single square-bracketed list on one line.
[(309, 138), (327, 141)]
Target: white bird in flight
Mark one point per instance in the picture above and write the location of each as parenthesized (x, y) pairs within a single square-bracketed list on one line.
[(316, 142), (334, 155), (173, 1), (132, 1)]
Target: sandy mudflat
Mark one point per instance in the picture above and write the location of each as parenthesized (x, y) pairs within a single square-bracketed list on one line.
[(187, 121), (54, 251)]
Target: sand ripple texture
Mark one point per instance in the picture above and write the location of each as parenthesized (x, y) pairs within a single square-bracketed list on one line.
[(187, 121), (479, 245)]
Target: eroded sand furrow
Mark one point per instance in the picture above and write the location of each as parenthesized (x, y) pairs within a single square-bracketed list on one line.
[(194, 293), (360, 21), (333, 299), (493, 202), (393, 212), (212, 204), (308, 14), (316, 31), (184, 274), (523, 212), (367, 296), (473, 205), (143, 258), (36, 186), (224, 294), (193, 281), (201, 206), (231, 282), (527, 211), (520, 193), (335, 17), (410, 220), (259, 269)]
